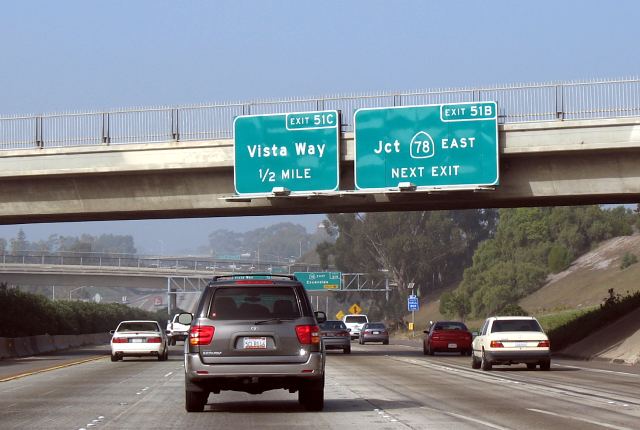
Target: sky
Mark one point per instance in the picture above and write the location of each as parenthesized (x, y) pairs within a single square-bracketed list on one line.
[(82, 55)]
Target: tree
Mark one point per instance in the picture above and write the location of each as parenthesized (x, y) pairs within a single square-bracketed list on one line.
[(19, 245), (429, 249), (530, 243), (454, 304)]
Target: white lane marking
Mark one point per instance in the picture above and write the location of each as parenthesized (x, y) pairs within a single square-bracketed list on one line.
[(466, 418), (584, 420), (168, 374), (615, 372)]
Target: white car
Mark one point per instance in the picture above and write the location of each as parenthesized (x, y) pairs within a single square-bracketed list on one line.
[(354, 323), (176, 331), (511, 340), (138, 339)]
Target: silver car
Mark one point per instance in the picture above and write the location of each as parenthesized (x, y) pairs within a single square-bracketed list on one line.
[(254, 333), (335, 335)]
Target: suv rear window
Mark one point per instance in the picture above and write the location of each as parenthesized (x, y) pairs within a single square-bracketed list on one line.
[(356, 319), (238, 303), (515, 325)]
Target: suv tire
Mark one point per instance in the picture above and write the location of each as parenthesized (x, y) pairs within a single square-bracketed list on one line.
[(311, 396), (195, 401)]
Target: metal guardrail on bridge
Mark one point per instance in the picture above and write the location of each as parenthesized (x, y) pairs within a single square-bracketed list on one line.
[(516, 103), (164, 264)]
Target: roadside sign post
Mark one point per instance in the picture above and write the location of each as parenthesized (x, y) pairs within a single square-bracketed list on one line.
[(289, 153), (429, 147), (412, 305)]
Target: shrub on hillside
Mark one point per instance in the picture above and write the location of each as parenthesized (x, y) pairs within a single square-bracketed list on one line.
[(513, 310), (559, 258), (613, 307), (627, 260)]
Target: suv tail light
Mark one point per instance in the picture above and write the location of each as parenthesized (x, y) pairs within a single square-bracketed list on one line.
[(120, 340), (308, 334), (544, 344), (496, 344), (201, 334)]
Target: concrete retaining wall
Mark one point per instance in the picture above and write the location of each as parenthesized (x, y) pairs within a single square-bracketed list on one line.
[(34, 345)]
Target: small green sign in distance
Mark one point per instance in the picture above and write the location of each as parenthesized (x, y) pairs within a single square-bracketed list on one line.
[(445, 146), (298, 152), (316, 281)]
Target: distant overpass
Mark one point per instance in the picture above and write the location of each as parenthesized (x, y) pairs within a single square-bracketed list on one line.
[(172, 275), (109, 270), (560, 144)]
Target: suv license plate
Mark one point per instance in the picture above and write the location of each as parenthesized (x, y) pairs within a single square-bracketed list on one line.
[(255, 343), (453, 345)]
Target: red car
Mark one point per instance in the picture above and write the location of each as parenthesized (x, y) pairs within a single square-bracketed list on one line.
[(447, 336)]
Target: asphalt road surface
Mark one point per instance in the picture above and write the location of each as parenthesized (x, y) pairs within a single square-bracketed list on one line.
[(375, 387)]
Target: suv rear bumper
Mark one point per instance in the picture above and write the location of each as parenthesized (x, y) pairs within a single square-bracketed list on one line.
[(251, 378), (197, 370)]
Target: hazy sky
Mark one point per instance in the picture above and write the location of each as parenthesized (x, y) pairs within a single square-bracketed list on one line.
[(81, 55)]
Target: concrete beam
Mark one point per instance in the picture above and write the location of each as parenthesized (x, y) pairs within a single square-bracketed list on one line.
[(543, 163)]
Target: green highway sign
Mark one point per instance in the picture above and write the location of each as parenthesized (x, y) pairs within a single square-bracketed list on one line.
[(292, 152), (445, 146), (316, 281)]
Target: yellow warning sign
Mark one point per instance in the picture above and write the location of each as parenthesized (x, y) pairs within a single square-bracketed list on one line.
[(339, 315), (355, 309)]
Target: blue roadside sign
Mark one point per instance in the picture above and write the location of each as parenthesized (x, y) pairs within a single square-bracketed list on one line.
[(412, 303)]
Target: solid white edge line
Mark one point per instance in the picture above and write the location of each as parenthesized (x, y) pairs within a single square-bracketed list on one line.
[(585, 420), (598, 370)]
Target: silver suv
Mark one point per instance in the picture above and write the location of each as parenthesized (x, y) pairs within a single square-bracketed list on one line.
[(254, 333)]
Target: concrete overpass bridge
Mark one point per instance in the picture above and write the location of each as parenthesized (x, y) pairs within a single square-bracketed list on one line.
[(559, 144), (171, 277)]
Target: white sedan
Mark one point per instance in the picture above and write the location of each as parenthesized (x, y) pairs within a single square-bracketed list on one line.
[(139, 339), (511, 340)]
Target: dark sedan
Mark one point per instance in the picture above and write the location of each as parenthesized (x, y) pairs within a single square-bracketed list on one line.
[(335, 335), (374, 332), (447, 336)]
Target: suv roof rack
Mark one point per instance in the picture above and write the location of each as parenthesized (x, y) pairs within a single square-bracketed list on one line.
[(251, 275)]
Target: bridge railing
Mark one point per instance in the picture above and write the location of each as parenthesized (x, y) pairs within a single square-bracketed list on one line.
[(164, 264), (516, 103)]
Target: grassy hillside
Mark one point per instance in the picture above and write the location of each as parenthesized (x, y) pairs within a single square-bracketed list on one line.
[(585, 283), (582, 286)]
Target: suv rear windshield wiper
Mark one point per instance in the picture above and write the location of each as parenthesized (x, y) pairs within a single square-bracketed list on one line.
[(273, 320)]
